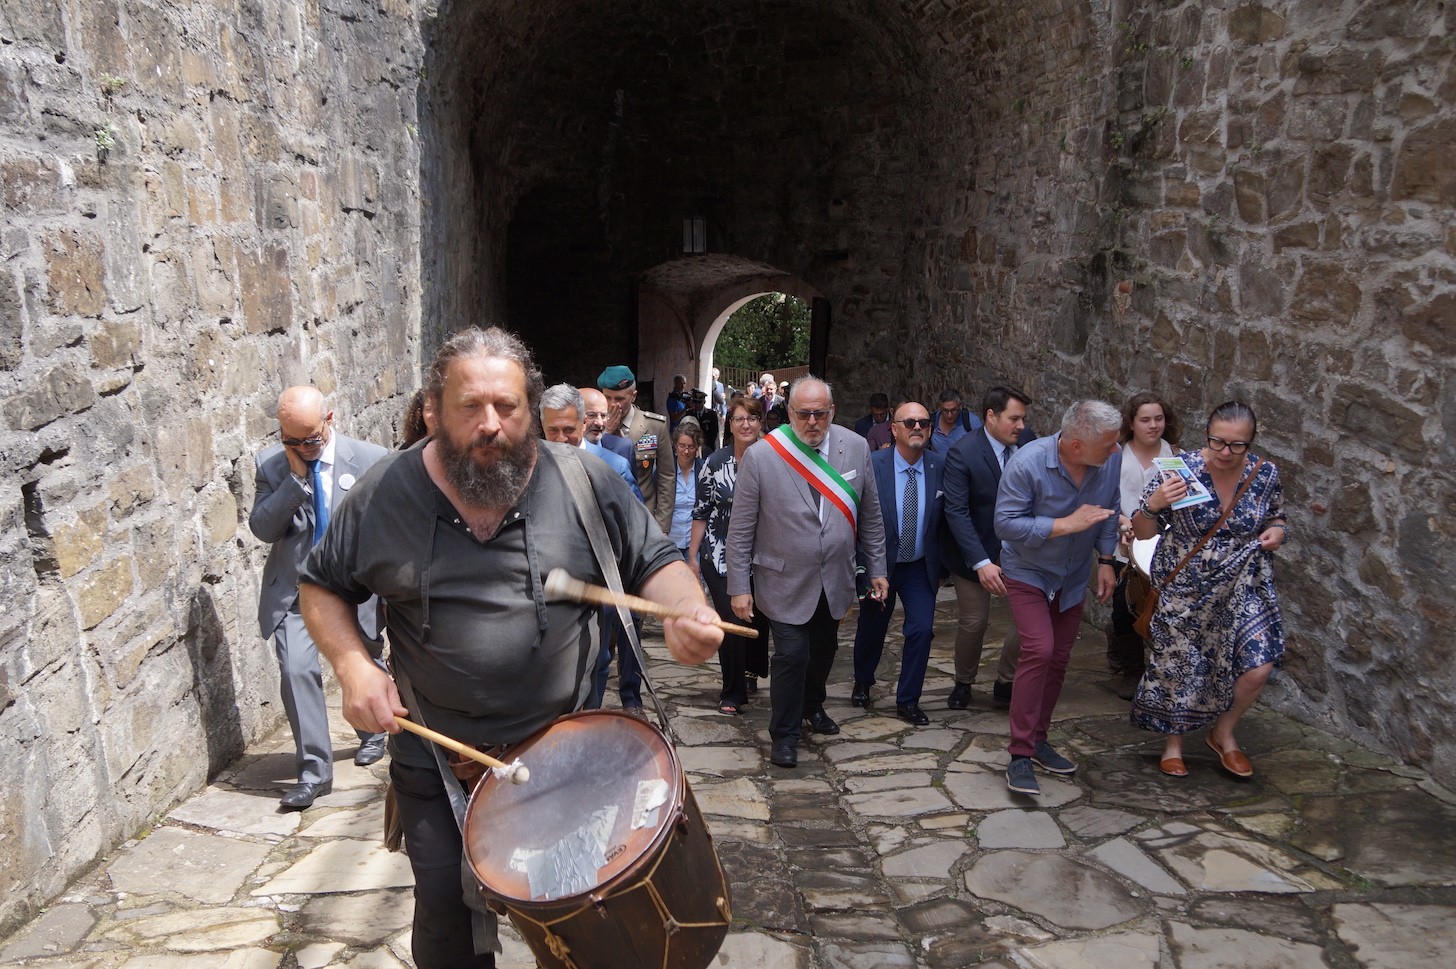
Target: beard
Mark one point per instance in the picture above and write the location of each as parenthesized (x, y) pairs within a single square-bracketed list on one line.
[(498, 485)]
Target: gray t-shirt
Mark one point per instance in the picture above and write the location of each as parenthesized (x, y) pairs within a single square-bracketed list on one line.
[(489, 659)]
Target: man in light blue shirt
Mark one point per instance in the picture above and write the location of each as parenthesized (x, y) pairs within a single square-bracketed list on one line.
[(952, 422), (1058, 501)]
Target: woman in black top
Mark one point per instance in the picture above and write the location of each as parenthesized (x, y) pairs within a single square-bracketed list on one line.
[(743, 660)]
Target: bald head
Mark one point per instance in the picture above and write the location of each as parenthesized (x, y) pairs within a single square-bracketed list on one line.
[(304, 421), (596, 410)]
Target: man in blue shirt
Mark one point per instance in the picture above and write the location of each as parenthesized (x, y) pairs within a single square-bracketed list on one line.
[(952, 422), (1058, 500), (908, 476)]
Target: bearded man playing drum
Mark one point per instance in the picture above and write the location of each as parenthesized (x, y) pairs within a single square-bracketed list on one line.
[(457, 537)]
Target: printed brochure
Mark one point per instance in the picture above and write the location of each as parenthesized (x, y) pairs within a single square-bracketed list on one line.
[(1197, 493)]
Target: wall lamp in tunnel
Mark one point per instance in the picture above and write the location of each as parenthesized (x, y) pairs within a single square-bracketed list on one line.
[(695, 236)]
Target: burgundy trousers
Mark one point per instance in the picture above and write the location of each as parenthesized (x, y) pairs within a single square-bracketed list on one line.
[(1047, 635)]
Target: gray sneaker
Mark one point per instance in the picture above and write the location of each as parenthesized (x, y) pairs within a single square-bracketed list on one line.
[(1047, 758), (1021, 776)]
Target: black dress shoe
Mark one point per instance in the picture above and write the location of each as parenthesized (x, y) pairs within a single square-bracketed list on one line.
[(820, 722), (860, 696), (302, 795), (960, 697), (370, 751), (751, 684), (911, 713), (1001, 693), (784, 756)]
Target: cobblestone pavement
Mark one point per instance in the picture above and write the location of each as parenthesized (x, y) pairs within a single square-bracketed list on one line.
[(889, 846)]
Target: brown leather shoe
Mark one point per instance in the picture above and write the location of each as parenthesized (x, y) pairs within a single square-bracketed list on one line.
[(1173, 767), (1233, 761)]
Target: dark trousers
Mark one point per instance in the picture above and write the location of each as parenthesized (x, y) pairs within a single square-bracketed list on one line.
[(1124, 645), (629, 676), (739, 657), (911, 585), (442, 937), (1047, 636), (803, 655)]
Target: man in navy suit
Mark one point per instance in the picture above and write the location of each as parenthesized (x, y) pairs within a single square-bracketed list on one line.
[(970, 548), (908, 477)]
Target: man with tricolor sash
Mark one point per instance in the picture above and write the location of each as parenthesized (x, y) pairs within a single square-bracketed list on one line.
[(805, 495)]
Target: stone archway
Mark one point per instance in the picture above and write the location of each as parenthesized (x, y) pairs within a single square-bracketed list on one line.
[(683, 304)]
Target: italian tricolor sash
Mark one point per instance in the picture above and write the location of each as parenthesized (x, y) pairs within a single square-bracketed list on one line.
[(815, 470)]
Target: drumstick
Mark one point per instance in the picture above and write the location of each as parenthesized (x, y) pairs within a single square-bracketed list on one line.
[(515, 773), (560, 585)]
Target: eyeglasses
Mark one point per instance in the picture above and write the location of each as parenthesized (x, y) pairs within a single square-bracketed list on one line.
[(307, 442), (686, 448), (744, 419), (811, 415), (914, 422), (1234, 447)]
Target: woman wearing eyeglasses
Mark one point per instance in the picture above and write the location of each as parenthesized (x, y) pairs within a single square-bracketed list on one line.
[(687, 441), (1216, 631), (743, 660)]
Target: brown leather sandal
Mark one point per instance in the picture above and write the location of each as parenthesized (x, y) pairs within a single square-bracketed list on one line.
[(1173, 767), (1233, 761)]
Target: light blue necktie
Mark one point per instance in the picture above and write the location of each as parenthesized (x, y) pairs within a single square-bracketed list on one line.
[(320, 501)]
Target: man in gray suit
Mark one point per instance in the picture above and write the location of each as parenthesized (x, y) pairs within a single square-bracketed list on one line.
[(803, 493), (298, 482)]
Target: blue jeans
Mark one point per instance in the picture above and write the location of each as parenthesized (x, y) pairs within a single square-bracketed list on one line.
[(629, 678), (911, 584)]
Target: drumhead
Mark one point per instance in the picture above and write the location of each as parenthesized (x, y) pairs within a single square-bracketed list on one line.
[(604, 789), (1142, 553)]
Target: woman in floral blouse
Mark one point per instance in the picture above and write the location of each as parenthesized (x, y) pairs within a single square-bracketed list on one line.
[(1217, 633), (743, 660)]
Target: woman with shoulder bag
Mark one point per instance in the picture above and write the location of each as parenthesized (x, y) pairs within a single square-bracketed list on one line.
[(1216, 630)]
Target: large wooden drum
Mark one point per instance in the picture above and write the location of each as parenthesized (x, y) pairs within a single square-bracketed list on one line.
[(602, 859)]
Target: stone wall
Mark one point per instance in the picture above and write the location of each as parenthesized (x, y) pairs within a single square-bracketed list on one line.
[(1255, 201), (203, 203)]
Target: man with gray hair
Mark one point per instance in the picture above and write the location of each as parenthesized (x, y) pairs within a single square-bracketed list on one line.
[(1057, 501), (563, 420), (804, 494)]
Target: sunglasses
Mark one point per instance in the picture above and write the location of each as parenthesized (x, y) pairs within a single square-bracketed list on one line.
[(914, 422), (811, 415), (306, 442)]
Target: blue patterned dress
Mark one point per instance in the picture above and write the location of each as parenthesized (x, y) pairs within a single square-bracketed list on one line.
[(1219, 617)]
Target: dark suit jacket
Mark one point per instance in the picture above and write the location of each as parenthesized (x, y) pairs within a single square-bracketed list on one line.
[(972, 475), (283, 516), (618, 445), (883, 462)]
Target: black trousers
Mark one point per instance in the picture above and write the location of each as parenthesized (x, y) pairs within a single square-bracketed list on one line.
[(443, 937), (738, 657), (803, 656), (1124, 645)]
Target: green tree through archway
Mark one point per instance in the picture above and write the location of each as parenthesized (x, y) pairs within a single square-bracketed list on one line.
[(767, 333)]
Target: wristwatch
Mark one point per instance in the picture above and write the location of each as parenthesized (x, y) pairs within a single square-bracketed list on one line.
[(1106, 560)]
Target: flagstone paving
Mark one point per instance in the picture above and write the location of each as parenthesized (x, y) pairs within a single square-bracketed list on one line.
[(889, 846)]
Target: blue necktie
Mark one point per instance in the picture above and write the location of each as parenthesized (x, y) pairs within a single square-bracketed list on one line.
[(909, 518), (320, 501)]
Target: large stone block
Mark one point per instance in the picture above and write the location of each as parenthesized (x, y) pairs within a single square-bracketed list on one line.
[(1423, 169), (267, 287), (32, 186), (59, 390), (75, 271), (101, 592), (77, 541), (1255, 24), (1379, 419), (1327, 293), (115, 344), (1432, 323), (1337, 71), (34, 23), (11, 323)]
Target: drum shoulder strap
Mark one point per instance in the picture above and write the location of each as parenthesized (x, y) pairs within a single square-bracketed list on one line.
[(585, 497)]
